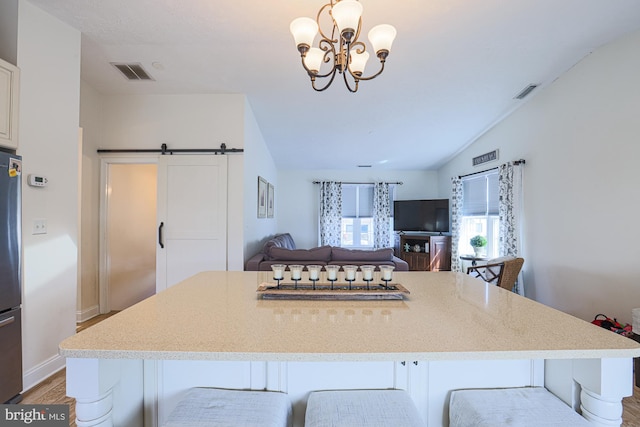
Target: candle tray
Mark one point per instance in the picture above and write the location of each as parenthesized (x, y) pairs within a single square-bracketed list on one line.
[(324, 291)]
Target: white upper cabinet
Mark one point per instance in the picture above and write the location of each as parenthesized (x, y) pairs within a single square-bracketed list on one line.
[(9, 85)]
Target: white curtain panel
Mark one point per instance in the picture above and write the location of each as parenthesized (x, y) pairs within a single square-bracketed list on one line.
[(330, 213), (510, 214), (381, 215), (456, 218)]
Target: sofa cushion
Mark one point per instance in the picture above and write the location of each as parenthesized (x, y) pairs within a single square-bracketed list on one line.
[(362, 256), (279, 241), (320, 254)]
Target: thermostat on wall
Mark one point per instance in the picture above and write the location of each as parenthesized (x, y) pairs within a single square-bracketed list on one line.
[(37, 181)]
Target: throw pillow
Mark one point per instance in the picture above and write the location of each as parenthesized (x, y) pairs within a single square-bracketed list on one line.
[(280, 241)]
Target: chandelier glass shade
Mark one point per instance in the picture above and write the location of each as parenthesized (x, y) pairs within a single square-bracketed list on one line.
[(341, 48)]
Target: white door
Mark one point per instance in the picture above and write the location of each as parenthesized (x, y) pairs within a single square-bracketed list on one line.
[(192, 217)]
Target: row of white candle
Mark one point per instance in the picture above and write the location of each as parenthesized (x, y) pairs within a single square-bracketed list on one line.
[(332, 272)]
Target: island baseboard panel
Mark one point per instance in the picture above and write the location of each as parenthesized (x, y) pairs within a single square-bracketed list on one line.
[(150, 389)]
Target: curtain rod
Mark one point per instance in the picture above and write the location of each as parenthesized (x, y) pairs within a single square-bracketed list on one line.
[(515, 163), (477, 173), (164, 150), (341, 182)]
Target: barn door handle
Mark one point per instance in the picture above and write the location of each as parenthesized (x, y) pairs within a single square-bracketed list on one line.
[(160, 239)]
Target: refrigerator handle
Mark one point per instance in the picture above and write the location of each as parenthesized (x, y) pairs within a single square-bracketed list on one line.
[(160, 239), (7, 321)]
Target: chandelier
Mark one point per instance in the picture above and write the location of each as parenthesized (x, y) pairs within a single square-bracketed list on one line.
[(343, 50)]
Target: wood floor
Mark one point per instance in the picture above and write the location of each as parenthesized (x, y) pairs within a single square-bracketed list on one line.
[(52, 391), (631, 405)]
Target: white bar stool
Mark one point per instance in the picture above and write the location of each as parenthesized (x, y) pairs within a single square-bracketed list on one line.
[(360, 408), (515, 407), (214, 407)]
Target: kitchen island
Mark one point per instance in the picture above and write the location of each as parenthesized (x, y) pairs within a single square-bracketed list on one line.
[(452, 331)]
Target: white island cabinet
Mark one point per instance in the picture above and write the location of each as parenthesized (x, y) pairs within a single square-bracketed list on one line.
[(9, 89), (450, 332)]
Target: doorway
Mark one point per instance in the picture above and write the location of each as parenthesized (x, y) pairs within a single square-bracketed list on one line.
[(161, 220), (128, 232)]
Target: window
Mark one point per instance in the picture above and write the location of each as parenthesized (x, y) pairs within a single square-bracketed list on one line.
[(357, 216), (480, 212)]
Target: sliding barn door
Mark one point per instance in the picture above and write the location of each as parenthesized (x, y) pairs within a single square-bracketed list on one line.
[(192, 217)]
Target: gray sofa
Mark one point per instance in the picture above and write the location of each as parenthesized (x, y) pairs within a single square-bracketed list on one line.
[(281, 249)]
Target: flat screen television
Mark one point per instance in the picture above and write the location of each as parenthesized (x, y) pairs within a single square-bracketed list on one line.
[(421, 215)]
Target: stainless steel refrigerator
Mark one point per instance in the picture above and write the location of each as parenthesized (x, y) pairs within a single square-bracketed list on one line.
[(10, 278)]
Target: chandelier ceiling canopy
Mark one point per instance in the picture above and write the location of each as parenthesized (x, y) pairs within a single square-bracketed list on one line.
[(341, 48)]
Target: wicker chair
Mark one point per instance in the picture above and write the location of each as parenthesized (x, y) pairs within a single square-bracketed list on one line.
[(503, 273)]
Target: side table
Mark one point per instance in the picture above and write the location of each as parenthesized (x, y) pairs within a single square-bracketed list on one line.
[(474, 259)]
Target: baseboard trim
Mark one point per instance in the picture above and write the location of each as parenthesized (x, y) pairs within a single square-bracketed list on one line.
[(84, 315), (35, 376)]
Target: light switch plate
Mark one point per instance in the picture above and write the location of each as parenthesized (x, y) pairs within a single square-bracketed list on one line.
[(39, 226)]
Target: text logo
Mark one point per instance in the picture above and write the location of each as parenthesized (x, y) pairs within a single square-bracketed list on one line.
[(34, 415)]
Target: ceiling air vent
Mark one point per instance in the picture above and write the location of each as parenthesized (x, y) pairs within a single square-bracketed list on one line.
[(132, 71), (526, 91)]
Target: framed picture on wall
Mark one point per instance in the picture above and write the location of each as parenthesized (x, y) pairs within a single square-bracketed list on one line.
[(262, 197), (270, 198)]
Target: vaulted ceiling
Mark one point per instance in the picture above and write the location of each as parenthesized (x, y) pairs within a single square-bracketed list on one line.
[(453, 72)]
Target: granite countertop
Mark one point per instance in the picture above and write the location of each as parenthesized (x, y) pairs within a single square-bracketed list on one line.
[(446, 316)]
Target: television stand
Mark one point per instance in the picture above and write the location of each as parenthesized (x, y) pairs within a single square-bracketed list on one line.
[(434, 251)]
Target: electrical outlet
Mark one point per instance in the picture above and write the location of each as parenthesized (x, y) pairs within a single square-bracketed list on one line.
[(39, 226)]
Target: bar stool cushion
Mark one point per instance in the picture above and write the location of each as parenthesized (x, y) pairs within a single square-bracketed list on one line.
[(355, 408), (231, 408), (525, 407)]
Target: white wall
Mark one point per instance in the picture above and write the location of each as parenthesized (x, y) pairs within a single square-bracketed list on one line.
[(297, 197), (257, 162), (49, 59), (92, 134), (579, 138), (182, 121)]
